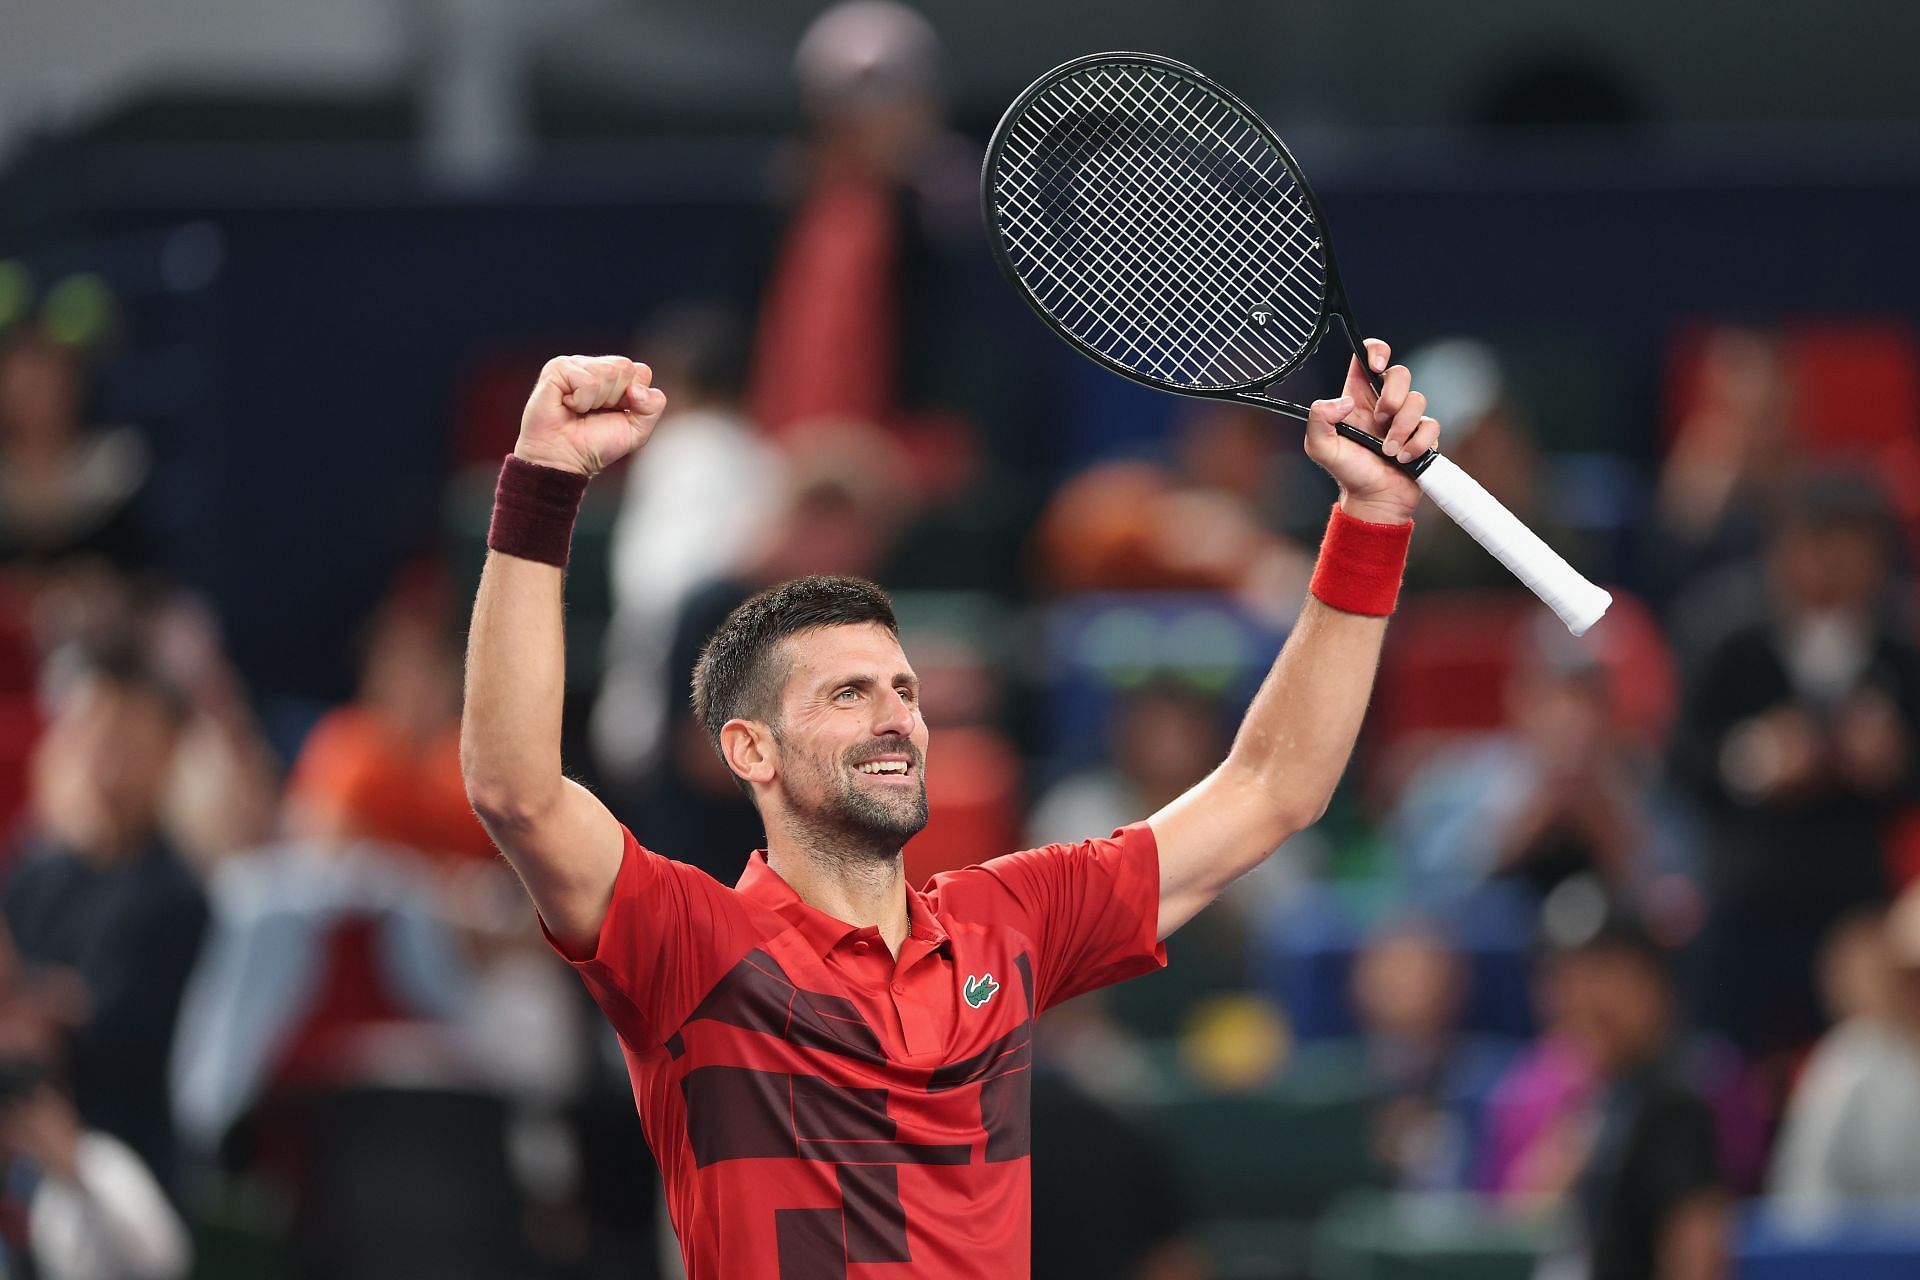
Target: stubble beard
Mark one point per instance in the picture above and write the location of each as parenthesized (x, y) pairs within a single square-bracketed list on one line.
[(857, 824)]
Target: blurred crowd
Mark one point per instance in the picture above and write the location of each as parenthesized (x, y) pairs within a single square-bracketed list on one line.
[(1603, 940)]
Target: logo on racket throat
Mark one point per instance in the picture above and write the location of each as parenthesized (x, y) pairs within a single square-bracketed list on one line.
[(979, 990)]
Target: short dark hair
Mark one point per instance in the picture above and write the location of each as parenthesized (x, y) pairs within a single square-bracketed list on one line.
[(699, 345), (121, 663), (1838, 499), (738, 675)]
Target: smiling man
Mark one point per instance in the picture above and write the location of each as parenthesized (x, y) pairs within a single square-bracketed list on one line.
[(831, 1065)]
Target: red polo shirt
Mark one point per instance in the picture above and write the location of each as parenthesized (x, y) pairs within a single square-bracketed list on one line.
[(821, 1109)]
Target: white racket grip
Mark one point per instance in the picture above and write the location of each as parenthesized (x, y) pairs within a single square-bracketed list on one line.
[(1579, 603)]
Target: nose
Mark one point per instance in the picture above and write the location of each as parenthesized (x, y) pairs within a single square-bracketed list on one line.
[(893, 715)]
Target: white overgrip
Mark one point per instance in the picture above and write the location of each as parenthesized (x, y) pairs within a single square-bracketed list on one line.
[(1579, 603)]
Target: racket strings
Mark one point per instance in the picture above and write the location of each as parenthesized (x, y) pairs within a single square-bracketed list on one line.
[(1214, 262), (1209, 263), (1182, 229), (1208, 183), (1152, 221), (1262, 161), (1133, 241)]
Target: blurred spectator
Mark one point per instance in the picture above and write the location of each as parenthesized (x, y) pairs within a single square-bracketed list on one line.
[(224, 793), (881, 305), (387, 767), (1427, 1076), (1163, 738), (1796, 741), (1732, 455), (1638, 1154), (75, 1203), (1565, 789), (65, 491), (102, 894), (323, 962), (1141, 526), (1852, 1128), (695, 502), (883, 186)]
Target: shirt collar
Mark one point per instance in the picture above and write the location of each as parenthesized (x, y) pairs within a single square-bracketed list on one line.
[(823, 932)]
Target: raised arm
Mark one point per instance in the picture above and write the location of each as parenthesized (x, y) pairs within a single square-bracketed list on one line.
[(585, 412), (1294, 743)]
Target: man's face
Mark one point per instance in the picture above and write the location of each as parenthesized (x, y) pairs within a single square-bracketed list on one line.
[(104, 765), (1617, 1006), (852, 742)]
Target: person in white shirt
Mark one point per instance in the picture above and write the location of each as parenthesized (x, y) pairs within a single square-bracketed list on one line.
[(1852, 1128)]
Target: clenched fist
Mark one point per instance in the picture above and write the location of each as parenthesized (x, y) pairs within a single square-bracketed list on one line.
[(588, 412)]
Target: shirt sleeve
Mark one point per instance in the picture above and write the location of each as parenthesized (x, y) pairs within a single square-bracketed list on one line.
[(670, 932), (1092, 909), (113, 1222)]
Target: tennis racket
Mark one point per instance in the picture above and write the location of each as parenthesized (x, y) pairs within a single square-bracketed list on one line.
[(1159, 226)]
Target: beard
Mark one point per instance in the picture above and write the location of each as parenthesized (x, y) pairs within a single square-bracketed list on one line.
[(866, 821)]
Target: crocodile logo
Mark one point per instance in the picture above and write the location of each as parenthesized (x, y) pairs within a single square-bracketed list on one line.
[(979, 990)]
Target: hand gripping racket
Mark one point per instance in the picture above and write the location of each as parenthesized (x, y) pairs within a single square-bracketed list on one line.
[(1157, 224)]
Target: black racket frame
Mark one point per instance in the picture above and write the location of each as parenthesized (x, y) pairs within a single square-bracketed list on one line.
[(1334, 303)]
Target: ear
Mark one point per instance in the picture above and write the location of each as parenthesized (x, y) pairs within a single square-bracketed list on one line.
[(749, 750)]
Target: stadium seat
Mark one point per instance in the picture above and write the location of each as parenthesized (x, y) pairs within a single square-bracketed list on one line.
[(1861, 1242), (1302, 959), (1283, 1151), (1258, 1166), (1423, 1237)]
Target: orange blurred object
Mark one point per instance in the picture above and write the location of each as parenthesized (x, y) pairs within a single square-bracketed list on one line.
[(357, 777)]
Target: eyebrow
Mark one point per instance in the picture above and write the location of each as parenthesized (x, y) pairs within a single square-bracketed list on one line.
[(866, 682)]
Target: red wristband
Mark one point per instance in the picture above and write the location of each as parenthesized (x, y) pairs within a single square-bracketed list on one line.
[(1360, 564), (534, 508)]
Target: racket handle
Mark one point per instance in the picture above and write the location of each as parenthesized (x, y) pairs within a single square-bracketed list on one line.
[(1579, 603)]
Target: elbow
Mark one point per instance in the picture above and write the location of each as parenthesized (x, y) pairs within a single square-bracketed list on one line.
[(1288, 822), (504, 807), (1285, 809)]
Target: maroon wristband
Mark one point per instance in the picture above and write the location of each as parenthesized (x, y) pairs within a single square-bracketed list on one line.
[(534, 508), (1361, 564)]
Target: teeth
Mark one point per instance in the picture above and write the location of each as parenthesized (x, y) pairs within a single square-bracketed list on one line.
[(884, 766)]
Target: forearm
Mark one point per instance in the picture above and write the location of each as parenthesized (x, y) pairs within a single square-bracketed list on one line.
[(1294, 743), (516, 685)]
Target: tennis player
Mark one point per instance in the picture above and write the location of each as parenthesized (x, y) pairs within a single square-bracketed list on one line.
[(831, 1065)]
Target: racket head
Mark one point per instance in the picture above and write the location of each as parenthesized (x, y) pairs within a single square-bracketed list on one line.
[(1150, 218)]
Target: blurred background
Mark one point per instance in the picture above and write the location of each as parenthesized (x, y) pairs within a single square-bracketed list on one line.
[(1604, 960)]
